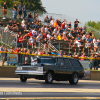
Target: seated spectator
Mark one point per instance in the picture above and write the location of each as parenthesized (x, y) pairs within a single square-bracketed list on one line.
[(55, 23), (91, 33), (83, 56), (87, 44), (36, 17), (43, 52), (54, 52), (52, 22), (69, 54), (59, 37), (48, 35), (61, 53), (45, 43), (30, 19), (47, 19), (91, 47)]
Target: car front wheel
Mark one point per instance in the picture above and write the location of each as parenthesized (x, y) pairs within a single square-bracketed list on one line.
[(74, 79), (23, 78), (49, 77)]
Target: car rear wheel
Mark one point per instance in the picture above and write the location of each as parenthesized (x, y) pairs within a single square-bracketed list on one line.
[(74, 79), (23, 78), (49, 77)]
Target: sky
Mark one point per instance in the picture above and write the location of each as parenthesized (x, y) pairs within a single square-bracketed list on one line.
[(83, 10)]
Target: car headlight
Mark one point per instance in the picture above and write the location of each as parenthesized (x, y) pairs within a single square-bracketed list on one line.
[(19, 68), (40, 68)]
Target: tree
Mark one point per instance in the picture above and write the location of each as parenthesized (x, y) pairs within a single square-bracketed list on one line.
[(93, 26), (32, 5)]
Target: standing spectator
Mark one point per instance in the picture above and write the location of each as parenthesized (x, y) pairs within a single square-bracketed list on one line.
[(91, 62), (24, 11), (76, 23), (95, 62), (95, 45), (31, 41), (15, 11), (20, 11), (4, 10), (69, 26)]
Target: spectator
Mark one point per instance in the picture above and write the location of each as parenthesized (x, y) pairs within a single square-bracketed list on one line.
[(76, 24), (54, 52), (24, 11), (20, 11), (36, 17), (31, 41), (95, 62), (61, 53), (15, 11), (52, 22), (91, 62), (4, 10), (47, 19), (95, 45), (43, 52), (91, 47), (83, 56), (30, 18), (69, 26)]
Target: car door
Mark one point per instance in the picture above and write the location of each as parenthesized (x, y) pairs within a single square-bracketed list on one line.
[(60, 66), (76, 65), (68, 68)]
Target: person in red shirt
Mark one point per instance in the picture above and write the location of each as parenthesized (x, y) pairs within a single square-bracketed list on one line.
[(30, 34), (43, 52), (17, 50), (63, 25), (44, 35)]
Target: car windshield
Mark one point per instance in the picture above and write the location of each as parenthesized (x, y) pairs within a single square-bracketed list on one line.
[(48, 60)]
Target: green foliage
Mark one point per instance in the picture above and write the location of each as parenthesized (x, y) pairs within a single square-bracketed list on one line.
[(93, 26), (32, 5)]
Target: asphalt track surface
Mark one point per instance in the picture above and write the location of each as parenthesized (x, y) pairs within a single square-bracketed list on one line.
[(12, 87)]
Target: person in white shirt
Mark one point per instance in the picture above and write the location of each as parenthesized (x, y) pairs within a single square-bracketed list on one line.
[(48, 35), (95, 45), (52, 22), (31, 41)]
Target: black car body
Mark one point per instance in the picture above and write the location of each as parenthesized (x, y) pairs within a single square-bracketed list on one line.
[(51, 68)]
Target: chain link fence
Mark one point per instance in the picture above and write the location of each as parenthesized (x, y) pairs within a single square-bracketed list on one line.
[(8, 38)]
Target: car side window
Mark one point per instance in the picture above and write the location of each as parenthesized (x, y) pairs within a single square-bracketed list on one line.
[(60, 61), (67, 63), (75, 63)]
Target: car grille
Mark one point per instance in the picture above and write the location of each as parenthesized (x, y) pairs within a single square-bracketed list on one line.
[(29, 68)]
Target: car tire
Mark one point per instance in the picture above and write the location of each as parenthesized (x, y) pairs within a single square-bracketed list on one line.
[(22, 78), (74, 79), (49, 77)]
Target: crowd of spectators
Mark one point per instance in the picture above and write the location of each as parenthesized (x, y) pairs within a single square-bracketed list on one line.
[(31, 31)]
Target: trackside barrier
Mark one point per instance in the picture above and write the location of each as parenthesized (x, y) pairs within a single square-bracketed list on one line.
[(84, 58)]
